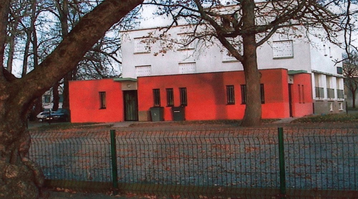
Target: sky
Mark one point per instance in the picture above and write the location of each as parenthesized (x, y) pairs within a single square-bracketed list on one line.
[(150, 19)]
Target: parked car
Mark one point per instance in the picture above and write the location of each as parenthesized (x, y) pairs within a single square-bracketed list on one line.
[(61, 115), (42, 115)]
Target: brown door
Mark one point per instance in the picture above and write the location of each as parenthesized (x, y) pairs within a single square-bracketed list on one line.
[(130, 105)]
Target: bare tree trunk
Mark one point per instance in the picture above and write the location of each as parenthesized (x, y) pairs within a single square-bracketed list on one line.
[(26, 53), (11, 52), (56, 97), (65, 94), (62, 7), (354, 98), (252, 115), (20, 178)]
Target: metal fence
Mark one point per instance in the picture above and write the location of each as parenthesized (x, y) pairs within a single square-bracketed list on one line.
[(201, 161)]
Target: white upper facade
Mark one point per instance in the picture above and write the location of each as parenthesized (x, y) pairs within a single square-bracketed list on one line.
[(145, 53)]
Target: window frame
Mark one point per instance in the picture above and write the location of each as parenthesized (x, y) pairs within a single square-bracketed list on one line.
[(156, 97), (141, 45), (47, 98), (102, 100), (170, 97), (230, 94), (183, 96)]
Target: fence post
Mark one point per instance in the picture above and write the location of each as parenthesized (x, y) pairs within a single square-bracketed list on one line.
[(114, 162), (281, 162)]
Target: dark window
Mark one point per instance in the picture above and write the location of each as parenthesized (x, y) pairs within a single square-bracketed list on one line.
[(102, 98), (243, 94), (61, 98), (170, 97), (183, 97), (303, 94), (299, 94), (156, 97), (262, 91), (47, 98), (230, 94)]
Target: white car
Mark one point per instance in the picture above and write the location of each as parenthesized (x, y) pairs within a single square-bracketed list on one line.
[(42, 115)]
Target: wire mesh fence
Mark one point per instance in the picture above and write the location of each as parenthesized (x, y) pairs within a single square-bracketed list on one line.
[(221, 161), (77, 156)]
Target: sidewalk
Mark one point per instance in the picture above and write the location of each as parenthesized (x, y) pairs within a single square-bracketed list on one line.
[(79, 195)]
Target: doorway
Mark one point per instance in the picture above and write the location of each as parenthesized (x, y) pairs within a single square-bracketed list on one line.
[(290, 99), (130, 105)]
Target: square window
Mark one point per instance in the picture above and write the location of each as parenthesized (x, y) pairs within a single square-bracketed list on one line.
[(141, 45), (282, 49)]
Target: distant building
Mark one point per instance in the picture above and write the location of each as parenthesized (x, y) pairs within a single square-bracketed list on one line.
[(47, 100)]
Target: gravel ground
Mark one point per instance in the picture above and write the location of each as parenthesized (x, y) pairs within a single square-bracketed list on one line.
[(61, 194)]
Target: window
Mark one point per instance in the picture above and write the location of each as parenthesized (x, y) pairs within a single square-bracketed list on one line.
[(186, 41), (282, 49), (61, 98), (262, 91), (243, 94), (102, 98), (299, 94), (183, 97), (228, 57), (170, 97), (230, 94), (340, 93), (330, 93), (141, 45), (319, 92), (185, 68), (145, 70), (156, 97), (47, 98), (303, 93)]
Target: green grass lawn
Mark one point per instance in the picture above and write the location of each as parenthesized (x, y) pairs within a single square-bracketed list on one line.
[(68, 125), (341, 117)]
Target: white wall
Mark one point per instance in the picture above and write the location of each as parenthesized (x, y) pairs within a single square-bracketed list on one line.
[(213, 58)]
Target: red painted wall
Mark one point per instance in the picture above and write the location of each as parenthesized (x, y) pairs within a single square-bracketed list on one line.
[(206, 94), (276, 93), (302, 102), (85, 101)]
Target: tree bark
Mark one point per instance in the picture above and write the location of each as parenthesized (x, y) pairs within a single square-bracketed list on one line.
[(55, 97), (20, 178), (354, 98), (11, 52), (252, 115)]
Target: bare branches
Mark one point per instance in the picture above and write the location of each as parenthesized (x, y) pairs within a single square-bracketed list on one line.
[(4, 11), (270, 16)]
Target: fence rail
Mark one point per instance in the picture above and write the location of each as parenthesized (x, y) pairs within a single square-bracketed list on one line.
[(233, 159)]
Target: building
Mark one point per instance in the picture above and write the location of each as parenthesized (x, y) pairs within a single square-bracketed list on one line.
[(203, 82), (47, 100)]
